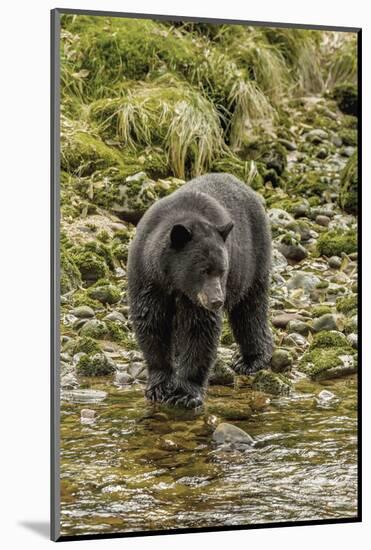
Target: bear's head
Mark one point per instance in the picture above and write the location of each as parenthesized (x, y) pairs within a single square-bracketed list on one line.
[(198, 261)]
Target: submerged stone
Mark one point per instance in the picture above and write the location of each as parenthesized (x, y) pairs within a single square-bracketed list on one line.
[(229, 434)]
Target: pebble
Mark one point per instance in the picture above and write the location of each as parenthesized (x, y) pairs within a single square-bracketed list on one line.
[(325, 397), (230, 434)]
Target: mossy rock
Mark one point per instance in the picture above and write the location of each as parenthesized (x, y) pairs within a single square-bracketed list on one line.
[(336, 241), (271, 382), (95, 329), (107, 294), (95, 364), (347, 304), (318, 311), (70, 277), (85, 344), (346, 97), (309, 184), (91, 266), (348, 195), (329, 356)]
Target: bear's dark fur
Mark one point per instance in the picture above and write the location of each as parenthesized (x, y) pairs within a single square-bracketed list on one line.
[(204, 247)]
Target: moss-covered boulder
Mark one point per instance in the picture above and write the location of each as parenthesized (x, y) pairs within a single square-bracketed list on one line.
[(271, 382), (95, 329), (91, 266), (329, 356), (106, 293), (348, 196), (70, 277), (347, 304), (346, 97), (96, 364), (85, 344), (337, 241)]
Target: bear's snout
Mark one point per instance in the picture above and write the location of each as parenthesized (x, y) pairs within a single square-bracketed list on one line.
[(211, 296)]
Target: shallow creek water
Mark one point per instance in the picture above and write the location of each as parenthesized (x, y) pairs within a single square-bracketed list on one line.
[(139, 467)]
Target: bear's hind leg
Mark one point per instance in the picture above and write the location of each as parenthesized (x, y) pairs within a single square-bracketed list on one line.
[(197, 337), (249, 322)]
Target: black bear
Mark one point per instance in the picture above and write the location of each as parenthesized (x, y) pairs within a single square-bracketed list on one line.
[(205, 247)]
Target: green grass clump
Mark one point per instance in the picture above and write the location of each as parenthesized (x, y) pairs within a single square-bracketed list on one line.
[(169, 115), (336, 241), (70, 277), (346, 304), (348, 196)]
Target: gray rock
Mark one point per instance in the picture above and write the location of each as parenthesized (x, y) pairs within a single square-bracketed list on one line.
[(336, 140), (279, 262), (228, 434), (281, 360), (348, 151), (83, 312), (326, 397), (294, 252), (334, 262), (322, 220), (135, 369), (115, 316), (325, 322), (123, 378), (279, 218), (69, 382), (94, 328), (353, 340), (282, 320), (295, 339), (304, 280), (87, 416), (221, 373), (300, 327), (316, 136), (302, 210)]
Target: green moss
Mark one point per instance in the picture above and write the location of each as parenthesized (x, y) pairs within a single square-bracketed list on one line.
[(94, 365), (318, 311), (95, 329), (120, 251), (348, 136), (347, 304), (103, 236), (334, 242), (81, 298), (227, 338), (328, 338), (348, 196), (309, 184), (86, 345), (271, 382), (119, 335), (92, 267), (324, 357), (70, 277)]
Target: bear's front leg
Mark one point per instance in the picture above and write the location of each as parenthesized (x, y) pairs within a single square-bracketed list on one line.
[(152, 317), (249, 321), (197, 337)]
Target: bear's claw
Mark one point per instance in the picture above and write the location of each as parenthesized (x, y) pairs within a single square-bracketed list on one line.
[(181, 399), (250, 366), (158, 392)]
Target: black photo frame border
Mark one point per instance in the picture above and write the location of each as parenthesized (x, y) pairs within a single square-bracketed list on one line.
[(55, 277)]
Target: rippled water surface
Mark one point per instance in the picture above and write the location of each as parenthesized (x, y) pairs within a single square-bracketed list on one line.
[(143, 468)]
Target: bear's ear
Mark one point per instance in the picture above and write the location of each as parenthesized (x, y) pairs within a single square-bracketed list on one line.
[(180, 236), (224, 230)]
